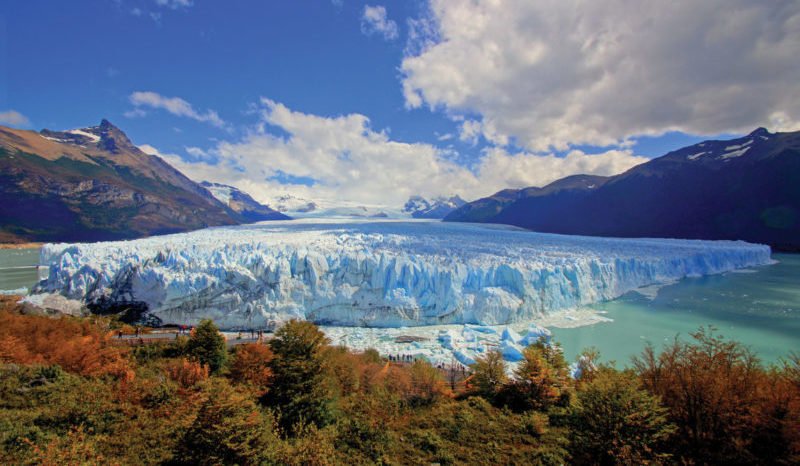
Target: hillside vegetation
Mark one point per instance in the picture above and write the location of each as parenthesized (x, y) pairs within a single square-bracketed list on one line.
[(69, 395)]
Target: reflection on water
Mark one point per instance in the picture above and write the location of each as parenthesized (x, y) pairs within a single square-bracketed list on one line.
[(760, 308)]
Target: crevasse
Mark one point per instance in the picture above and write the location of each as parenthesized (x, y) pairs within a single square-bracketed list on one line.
[(374, 273)]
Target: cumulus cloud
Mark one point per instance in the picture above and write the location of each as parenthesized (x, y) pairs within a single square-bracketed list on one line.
[(554, 74), (374, 20), (347, 160), (13, 118), (174, 105)]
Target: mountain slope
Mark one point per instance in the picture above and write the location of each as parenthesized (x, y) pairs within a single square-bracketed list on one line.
[(745, 188), (93, 184), (242, 203)]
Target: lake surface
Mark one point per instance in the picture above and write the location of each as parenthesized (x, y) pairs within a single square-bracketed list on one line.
[(18, 268), (759, 307)]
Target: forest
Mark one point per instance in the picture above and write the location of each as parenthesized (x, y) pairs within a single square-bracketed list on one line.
[(70, 393)]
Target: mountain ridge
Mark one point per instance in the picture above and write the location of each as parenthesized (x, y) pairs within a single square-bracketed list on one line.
[(743, 188), (93, 184)]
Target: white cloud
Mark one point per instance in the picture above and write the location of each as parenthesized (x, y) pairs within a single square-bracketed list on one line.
[(374, 20), (350, 161), (553, 74), (13, 118), (175, 4), (174, 105), (505, 170)]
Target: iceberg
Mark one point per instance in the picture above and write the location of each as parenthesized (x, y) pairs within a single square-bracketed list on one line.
[(534, 333), (372, 273)]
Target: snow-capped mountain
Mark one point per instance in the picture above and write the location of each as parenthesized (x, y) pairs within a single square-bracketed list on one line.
[(370, 273), (439, 207), (744, 188), (298, 207), (288, 203), (242, 203)]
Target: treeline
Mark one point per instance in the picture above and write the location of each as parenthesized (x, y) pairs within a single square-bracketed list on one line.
[(69, 395)]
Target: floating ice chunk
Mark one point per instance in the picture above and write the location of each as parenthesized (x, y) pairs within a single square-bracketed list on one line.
[(450, 339), (534, 333), (468, 335), (464, 357), (510, 335), (483, 329), (19, 291), (511, 351)]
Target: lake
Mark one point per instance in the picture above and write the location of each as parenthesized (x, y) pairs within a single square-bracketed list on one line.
[(759, 307)]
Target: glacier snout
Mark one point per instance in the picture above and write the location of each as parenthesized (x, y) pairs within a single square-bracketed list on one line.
[(383, 274)]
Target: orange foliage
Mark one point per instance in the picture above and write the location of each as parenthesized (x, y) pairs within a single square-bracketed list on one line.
[(727, 407), (77, 346), (187, 372), (251, 366)]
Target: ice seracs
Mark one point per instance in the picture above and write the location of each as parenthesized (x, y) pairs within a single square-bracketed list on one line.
[(373, 273)]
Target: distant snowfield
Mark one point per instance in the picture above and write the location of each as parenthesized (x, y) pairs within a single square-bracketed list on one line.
[(376, 273)]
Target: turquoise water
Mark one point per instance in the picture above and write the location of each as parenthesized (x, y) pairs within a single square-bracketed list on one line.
[(760, 309), (18, 268)]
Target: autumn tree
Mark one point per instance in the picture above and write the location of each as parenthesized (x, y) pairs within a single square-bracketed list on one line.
[(208, 346), (489, 373), (427, 383), (718, 396), (300, 391), (539, 381), (615, 421), (229, 429), (251, 366)]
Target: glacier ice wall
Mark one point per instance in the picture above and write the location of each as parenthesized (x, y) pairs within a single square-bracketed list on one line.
[(373, 273)]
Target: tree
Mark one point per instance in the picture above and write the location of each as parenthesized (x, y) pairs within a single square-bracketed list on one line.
[(300, 391), (251, 366), (540, 379), (489, 373), (208, 346), (228, 429), (427, 383), (615, 421), (714, 389)]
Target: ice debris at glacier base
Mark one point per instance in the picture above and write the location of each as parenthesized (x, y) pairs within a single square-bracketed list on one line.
[(373, 273)]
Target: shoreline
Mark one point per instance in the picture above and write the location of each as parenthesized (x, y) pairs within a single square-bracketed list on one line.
[(20, 245)]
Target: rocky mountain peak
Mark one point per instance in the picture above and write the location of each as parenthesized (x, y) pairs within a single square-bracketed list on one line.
[(760, 131)]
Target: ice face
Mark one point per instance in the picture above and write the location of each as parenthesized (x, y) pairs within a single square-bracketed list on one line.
[(374, 273)]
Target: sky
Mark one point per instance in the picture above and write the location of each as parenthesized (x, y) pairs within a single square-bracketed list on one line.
[(372, 102)]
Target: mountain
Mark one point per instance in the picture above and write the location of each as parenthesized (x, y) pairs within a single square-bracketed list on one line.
[(289, 203), (439, 207), (93, 184), (744, 188), (242, 203)]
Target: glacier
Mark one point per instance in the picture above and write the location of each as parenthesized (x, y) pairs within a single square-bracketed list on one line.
[(373, 273)]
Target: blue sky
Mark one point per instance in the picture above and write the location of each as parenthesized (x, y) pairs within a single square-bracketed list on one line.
[(373, 102)]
